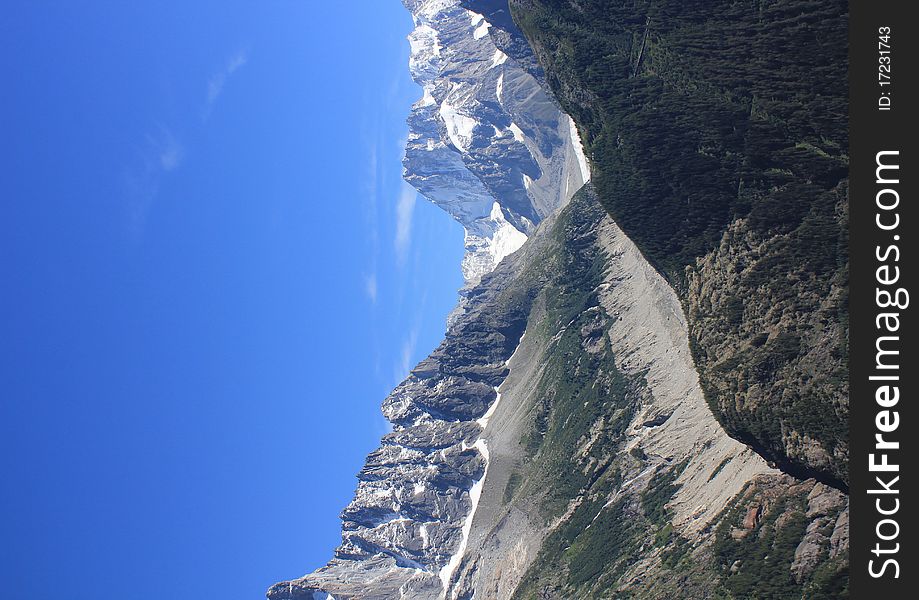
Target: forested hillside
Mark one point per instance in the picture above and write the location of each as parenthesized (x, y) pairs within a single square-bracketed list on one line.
[(717, 135)]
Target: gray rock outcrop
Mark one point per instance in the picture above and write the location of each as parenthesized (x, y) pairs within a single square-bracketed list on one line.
[(486, 142)]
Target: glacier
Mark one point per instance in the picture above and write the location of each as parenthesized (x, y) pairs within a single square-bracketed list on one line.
[(486, 142)]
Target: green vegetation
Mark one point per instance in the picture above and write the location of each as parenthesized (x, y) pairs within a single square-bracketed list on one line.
[(830, 581), (587, 555), (578, 390), (721, 149), (574, 444), (757, 565), (587, 552), (659, 492), (575, 462), (720, 466), (513, 482)]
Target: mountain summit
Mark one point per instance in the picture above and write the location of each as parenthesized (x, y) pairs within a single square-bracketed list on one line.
[(560, 442)]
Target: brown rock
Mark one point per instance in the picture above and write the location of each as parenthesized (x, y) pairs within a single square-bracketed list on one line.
[(738, 534), (751, 520), (839, 540), (823, 500), (810, 551)]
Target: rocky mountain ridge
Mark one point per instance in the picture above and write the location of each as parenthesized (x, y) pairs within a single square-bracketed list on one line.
[(557, 444), (486, 142), (488, 145)]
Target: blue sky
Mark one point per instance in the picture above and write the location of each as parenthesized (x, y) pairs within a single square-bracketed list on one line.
[(212, 275)]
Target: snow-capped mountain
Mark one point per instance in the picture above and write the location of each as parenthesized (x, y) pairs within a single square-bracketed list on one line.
[(561, 421), (490, 146), (486, 142)]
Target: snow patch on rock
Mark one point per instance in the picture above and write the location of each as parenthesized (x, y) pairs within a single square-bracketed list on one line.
[(490, 240), (461, 153), (475, 494), (579, 150), (459, 126), (481, 31)]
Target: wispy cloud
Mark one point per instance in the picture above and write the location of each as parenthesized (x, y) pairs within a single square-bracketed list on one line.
[(371, 189), (382, 426), (370, 287), (160, 153), (168, 150), (370, 186), (140, 188), (405, 208), (408, 351), (219, 79)]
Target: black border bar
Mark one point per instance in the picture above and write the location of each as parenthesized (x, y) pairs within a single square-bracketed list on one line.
[(883, 259)]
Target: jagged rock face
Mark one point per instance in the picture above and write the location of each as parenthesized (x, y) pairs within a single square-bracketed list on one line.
[(486, 142), (557, 443), (507, 36), (403, 533), (488, 145)]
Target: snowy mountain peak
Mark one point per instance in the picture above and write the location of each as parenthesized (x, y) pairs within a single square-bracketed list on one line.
[(484, 134), (488, 145)]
